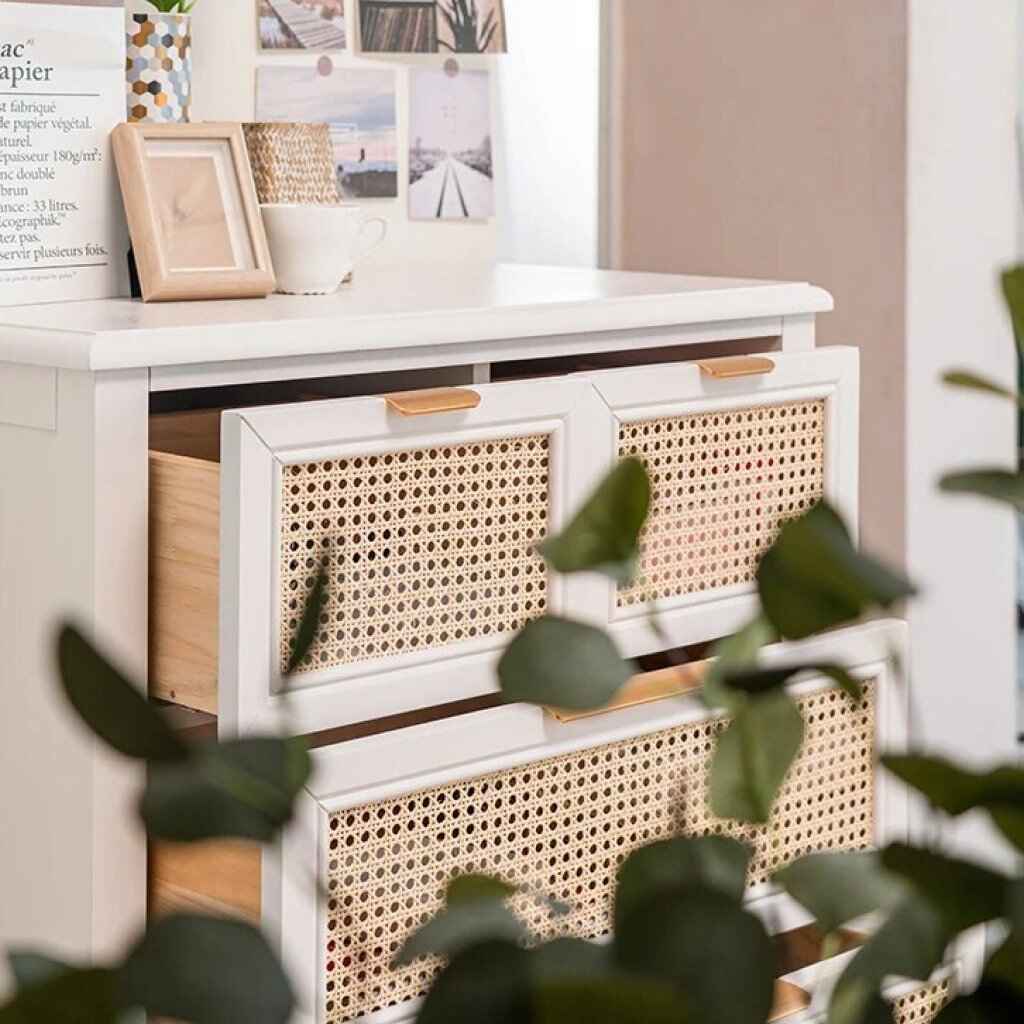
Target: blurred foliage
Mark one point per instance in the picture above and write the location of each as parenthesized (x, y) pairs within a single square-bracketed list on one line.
[(196, 969), (685, 948)]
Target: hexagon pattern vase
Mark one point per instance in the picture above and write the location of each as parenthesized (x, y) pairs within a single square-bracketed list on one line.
[(159, 68)]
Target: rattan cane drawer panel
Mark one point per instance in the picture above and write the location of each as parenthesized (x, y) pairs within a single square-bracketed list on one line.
[(923, 1005), (722, 484), (563, 826), (426, 547)]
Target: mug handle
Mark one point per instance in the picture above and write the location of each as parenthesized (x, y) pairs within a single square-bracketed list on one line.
[(364, 250)]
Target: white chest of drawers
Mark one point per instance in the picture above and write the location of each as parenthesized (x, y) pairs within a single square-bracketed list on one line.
[(78, 384)]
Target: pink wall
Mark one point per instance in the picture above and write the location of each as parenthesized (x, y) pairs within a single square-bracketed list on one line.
[(757, 139)]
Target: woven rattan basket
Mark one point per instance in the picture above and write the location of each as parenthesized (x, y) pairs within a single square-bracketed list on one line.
[(292, 163)]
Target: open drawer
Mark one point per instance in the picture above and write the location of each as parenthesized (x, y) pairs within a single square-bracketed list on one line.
[(734, 447), (389, 820), (427, 508)]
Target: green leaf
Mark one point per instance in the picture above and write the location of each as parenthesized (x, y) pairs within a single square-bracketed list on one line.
[(947, 897), (813, 579), (30, 968), (309, 624), (910, 944), (761, 680), (569, 959), (735, 653), (461, 926), (207, 970), (996, 484), (562, 663), (73, 996), (245, 789), (110, 705), (613, 999), (970, 381), (702, 941), (1013, 292), (857, 1003), (714, 862), (1006, 966), (488, 983), (839, 887), (990, 1004), (754, 755), (465, 889), (604, 536), (956, 790), (961, 893)]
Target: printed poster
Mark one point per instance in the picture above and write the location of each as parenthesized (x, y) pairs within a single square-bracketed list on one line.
[(62, 233)]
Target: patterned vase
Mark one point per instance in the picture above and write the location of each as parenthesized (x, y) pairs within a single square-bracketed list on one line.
[(159, 67)]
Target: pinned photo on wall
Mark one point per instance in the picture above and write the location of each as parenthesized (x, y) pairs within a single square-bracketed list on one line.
[(398, 26), (302, 24), (451, 171), (471, 26), (359, 108)]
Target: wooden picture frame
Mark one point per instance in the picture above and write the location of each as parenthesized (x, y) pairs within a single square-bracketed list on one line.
[(195, 227)]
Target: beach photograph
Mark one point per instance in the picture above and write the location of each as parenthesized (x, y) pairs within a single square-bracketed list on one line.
[(359, 108)]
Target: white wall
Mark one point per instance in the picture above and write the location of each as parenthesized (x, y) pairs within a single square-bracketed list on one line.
[(546, 109), (962, 209), (549, 87), (226, 55)]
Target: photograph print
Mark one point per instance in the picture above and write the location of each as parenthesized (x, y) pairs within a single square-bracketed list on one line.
[(398, 26), (471, 26), (451, 172), (302, 24), (432, 26), (358, 105)]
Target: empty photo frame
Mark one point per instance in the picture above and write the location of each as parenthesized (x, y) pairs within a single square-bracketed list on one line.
[(192, 212)]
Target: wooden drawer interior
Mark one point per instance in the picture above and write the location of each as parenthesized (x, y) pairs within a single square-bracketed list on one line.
[(184, 557)]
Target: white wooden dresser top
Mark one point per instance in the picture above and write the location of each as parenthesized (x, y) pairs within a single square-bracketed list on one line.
[(411, 308)]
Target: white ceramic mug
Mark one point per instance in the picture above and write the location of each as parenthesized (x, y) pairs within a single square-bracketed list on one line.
[(314, 248)]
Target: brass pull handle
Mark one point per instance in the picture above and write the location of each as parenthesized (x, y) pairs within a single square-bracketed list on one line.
[(429, 402), (645, 689), (729, 367), (789, 999)]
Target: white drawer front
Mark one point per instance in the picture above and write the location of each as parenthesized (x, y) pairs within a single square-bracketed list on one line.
[(729, 462), (427, 525), (508, 792)]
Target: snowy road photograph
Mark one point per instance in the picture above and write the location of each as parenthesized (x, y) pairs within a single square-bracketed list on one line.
[(451, 174)]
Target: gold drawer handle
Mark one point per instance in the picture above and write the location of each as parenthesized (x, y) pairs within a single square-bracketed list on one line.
[(429, 402), (645, 689), (789, 999), (729, 367)]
